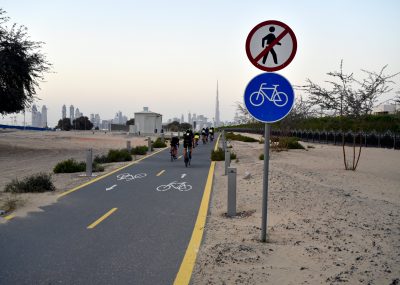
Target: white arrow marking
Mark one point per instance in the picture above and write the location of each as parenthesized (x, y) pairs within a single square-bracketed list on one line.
[(183, 175), (111, 188)]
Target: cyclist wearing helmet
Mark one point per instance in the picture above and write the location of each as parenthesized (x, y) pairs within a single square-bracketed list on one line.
[(203, 135), (174, 146), (196, 139), (211, 133), (187, 145)]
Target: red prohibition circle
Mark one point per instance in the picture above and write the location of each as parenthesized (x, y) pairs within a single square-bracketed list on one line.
[(287, 30)]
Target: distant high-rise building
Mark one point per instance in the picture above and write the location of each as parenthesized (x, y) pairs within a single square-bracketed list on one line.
[(182, 119), (44, 117), (92, 118), (71, 113), (189, 118), (217, 119), (64, 112), (77, 113)]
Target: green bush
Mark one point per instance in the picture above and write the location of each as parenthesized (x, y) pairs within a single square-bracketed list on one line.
[(158, 143), (140, 150), (72, 166), (218, 155), (290, 143), (69, 166), (37, 183), (118, 155), (100, 159), (239, 137)]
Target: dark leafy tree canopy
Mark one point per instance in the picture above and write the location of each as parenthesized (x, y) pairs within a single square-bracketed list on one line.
[(22, 67), (64, 124), (82, 123)]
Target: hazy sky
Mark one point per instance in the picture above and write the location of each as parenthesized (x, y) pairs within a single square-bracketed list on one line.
[(168, 55)]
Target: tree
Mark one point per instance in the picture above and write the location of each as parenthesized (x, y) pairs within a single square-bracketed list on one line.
[(82, 123), (22, 67), (64, 124), (184, 126), (349, 97), (173, 126), (243, 115), (130, 122)]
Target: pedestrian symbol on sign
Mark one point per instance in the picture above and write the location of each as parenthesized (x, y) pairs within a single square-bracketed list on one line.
[(270, 39)]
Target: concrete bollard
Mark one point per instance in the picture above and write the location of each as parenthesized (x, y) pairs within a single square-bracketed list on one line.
[(149, 143), (89, 162), (231, 192), (227, 160), (128, 146)]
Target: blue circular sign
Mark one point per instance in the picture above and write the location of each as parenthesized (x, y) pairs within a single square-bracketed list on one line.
[(269, 97)]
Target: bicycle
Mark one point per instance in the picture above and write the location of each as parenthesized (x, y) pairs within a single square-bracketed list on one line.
[(129, 177), (173, 151), (257, 98), (187, 156), (182, 186)]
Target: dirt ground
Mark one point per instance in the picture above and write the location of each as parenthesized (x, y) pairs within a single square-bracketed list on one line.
[(326, 225)]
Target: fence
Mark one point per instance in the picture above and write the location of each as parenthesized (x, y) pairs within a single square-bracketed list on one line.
[(367, 139)]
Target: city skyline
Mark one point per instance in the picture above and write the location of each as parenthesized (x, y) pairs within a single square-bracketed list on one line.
[(171, 60)]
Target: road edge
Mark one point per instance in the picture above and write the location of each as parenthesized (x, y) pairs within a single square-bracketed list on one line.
[(186, 269)]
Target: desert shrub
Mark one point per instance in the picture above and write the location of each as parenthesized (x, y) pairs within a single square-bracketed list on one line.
[(41, 182), (158, 143), (218, 155), (310, 146), (118, 155), (261, 157), (97, 167), (69, 166), (100, 159), (290, 142), (72, 166), (239, 137), (140, 150), (9, 204)]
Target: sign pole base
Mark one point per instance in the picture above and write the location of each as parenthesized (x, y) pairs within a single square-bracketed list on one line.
[(264, 236)]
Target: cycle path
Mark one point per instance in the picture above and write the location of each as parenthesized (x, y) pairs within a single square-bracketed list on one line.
[(142, 240)]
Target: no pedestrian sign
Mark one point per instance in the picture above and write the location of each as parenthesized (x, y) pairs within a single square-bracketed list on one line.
[(271, 45)]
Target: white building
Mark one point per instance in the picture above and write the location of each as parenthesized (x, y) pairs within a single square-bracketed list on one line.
[(71, 113), (147, 122), (44, 117), (385, 109), (64, 112)]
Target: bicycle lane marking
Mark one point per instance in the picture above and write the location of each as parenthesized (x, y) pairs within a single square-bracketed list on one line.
[(108, 174), (185, 271)]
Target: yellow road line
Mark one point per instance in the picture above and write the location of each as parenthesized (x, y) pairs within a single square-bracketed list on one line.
[(9, 217), (108, 174), (216, 144), (91, 226), (160, 173), (186, 269)]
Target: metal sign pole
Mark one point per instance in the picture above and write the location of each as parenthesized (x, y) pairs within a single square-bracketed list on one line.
[(265, 185)]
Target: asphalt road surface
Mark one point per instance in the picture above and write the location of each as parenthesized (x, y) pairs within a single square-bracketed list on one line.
[(132, 227)]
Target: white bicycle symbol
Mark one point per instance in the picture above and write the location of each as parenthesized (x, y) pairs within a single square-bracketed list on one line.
[(129, 177), (257, 98), (182, 186)]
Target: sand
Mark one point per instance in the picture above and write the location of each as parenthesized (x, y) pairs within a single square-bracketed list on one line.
[(326, 225), (23, 153)]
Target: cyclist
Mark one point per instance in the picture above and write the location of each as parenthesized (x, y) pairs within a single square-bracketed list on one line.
[(207, 133), (211, 133), (203, 135), (187, 144), (174, 146), (196, 139)]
